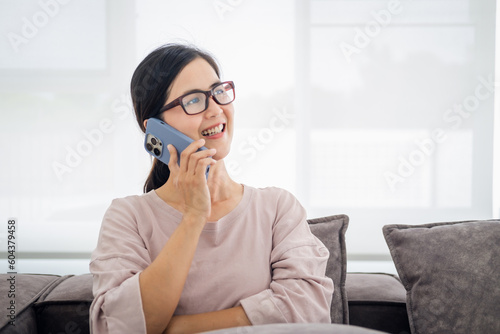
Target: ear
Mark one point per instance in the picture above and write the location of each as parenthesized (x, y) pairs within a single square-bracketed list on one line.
[(146, 123)]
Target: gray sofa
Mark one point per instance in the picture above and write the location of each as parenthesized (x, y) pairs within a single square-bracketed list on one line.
[(60, 304), (448, 282)]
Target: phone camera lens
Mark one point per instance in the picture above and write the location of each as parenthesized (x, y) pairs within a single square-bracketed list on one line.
[(153, 141), (157, 152), (149, 147)]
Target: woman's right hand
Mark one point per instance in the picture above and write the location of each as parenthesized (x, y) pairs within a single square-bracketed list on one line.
[(162, 282), (189, 178)]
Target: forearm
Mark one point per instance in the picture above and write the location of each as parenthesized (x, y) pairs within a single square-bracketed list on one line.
[(233, 317), (161, 283)]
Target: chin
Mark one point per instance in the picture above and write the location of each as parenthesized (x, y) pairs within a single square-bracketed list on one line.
[(221, 154)]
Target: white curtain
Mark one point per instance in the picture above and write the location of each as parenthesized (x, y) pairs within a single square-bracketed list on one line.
[(382, 110)]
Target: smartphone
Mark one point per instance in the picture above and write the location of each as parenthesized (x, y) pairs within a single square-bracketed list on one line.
[(159, 134)]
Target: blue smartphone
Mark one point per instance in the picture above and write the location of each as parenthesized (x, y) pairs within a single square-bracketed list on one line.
[(159, 134)]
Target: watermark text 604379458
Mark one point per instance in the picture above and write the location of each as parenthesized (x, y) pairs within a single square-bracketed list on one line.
[(11, 263)]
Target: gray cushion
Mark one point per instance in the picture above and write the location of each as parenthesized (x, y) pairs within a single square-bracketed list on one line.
[(377, 301), (331, 231), (451, 272), (296, 329), (27, 289), (65, 308)]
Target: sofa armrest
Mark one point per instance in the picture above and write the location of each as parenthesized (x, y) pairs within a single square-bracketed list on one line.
[(17, 305), (65, 309)]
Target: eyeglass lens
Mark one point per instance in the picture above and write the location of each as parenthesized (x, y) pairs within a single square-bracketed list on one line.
[(196, 102)]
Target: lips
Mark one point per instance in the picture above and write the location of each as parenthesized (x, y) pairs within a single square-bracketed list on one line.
[(213, 130)]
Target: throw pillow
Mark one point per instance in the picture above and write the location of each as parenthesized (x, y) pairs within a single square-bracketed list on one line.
[(331, 231), (451, 272), (297, 329)]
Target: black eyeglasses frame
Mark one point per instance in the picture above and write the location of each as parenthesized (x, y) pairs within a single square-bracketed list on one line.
[(208, 94)]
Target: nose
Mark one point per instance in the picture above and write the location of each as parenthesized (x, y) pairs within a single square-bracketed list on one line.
[(213, 109)]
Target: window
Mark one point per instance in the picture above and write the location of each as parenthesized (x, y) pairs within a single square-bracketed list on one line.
[(400, 113), (382, 110)]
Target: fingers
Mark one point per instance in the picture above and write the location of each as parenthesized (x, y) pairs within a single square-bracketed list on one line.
[(199, 161), (192, 148), (192, 161), (201, 168), (172, 162)]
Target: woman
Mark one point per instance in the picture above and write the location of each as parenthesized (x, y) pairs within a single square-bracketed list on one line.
[(197, 253)]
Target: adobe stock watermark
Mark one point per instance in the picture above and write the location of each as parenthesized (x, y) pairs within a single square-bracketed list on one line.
[(363, 37), (453, 118), (31, 26), (123, 108), (92, 138), (225, 6), (249, 148)]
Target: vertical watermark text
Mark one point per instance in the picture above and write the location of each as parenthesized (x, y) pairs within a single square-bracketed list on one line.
[(11, 264)]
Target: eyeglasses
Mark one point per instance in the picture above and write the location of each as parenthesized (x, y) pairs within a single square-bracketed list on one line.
[(196, 102)]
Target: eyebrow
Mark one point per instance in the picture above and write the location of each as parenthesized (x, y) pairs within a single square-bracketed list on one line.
[(197, 90)]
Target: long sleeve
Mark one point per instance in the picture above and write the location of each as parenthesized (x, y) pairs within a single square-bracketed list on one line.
[(299, 290), (116, 263), (263, 253)]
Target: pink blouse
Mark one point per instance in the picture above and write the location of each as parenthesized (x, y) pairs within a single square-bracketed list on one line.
[(262, 256)]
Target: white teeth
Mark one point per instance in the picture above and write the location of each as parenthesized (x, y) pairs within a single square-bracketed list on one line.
[(213, 131)]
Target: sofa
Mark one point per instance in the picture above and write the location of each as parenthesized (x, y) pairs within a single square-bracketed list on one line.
[(60, 304), (448, 282)]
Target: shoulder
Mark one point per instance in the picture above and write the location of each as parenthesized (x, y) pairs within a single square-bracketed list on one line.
[(132, 200), (273, 195), (121, 227), (133, 204), (127, 212), (275, 201)]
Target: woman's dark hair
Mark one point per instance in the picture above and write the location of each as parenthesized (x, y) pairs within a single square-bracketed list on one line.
[(150, 88)]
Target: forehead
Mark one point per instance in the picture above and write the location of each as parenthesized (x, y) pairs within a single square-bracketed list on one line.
[(198, 74)]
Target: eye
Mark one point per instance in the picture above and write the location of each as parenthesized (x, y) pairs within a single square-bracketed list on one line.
[(192, 101)]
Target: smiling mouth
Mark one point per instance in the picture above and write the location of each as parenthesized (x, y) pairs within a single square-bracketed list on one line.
[(213, 131)]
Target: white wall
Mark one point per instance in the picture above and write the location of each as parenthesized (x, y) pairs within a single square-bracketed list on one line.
[(332, 100)]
